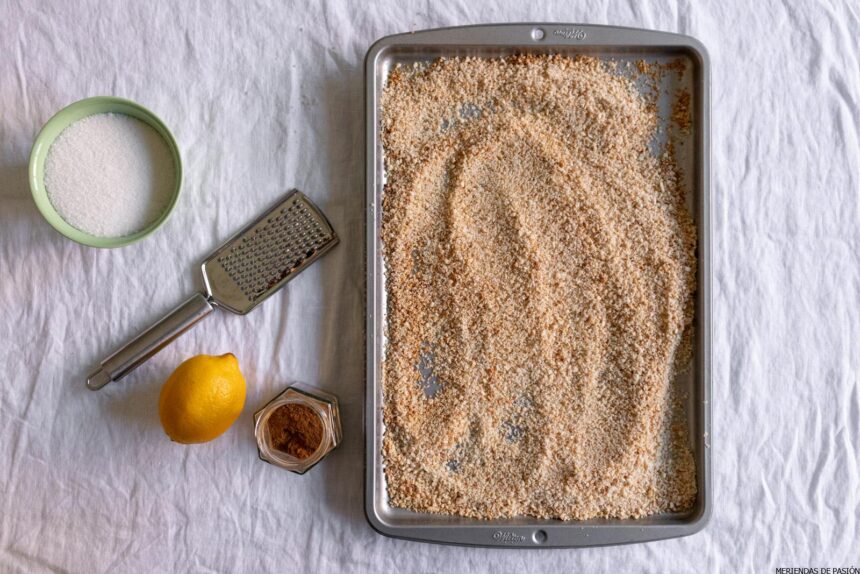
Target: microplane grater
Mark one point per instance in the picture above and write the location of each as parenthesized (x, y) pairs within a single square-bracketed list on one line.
[(242, 273)]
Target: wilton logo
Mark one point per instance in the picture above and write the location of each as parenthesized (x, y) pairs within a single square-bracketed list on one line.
[(570, 33), (507, 537)]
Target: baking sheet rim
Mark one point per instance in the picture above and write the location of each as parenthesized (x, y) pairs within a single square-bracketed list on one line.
[(526, 532)]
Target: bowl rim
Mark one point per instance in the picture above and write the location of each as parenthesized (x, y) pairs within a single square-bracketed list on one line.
[(42, 145)]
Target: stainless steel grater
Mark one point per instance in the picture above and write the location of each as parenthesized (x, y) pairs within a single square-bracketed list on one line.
[(241, 274)]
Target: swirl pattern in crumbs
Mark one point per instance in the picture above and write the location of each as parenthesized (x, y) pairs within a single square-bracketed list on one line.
[(540, 269)]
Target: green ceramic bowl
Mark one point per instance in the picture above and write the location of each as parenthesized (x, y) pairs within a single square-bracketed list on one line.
[(55, 126)]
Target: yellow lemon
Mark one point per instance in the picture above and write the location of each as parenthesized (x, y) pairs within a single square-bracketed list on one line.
[(202, 398)]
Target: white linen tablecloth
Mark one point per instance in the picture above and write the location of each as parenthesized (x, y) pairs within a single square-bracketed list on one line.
[(263, 96)]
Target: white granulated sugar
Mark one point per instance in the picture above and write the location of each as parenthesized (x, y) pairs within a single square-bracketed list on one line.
[(109, 175)]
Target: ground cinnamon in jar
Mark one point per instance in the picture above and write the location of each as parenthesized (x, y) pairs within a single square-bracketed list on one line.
[(295, 430)]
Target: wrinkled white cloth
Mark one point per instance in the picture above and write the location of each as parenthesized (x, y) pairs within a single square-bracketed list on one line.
[(263, 96)]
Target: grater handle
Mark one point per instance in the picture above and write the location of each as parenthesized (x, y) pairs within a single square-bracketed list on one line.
[(148, 343)]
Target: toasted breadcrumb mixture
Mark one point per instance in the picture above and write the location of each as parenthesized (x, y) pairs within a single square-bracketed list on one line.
[(681, 113), (540, 270)]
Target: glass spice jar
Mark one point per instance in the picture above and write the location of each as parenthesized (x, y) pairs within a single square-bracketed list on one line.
[(298, 428)]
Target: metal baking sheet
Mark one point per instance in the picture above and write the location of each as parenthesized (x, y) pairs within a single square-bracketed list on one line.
[(493, 41)]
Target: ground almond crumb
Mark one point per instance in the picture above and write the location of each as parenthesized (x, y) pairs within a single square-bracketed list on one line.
[(540, 269), (681, 114)]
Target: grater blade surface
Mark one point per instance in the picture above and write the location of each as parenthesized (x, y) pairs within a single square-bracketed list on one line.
[(267, 253)]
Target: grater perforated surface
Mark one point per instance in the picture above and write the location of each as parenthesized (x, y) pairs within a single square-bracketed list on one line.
[(270, 251), (267, 253)]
